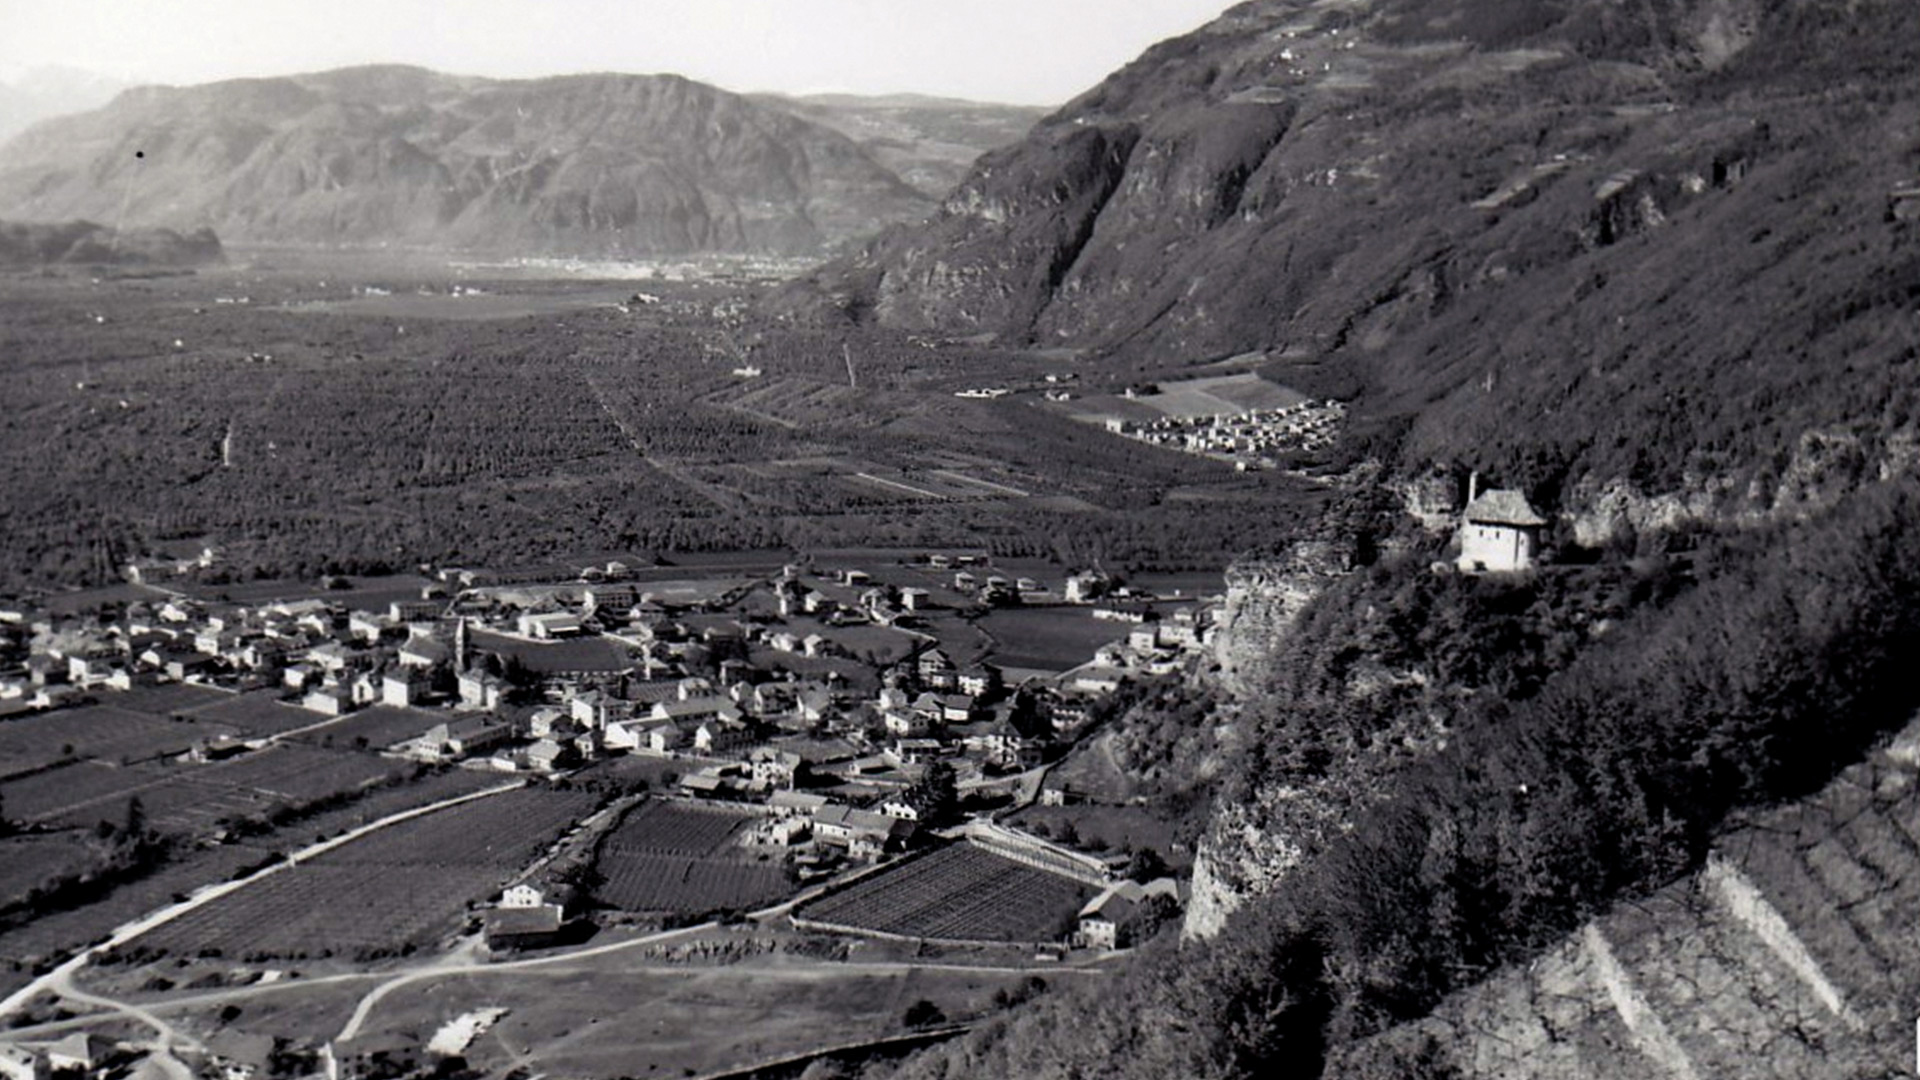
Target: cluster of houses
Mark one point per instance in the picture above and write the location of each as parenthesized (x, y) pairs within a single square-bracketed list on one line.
[(1253, 438), (227, 1055), (334, 660), (516, 674)]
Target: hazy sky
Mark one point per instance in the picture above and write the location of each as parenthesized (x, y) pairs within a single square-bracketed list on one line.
[(1025, 51)]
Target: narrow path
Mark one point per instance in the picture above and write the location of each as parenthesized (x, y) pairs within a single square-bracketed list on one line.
[(713, 493), (440, 969), (169, 1036)]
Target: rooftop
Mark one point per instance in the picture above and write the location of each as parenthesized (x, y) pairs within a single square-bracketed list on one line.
[(1503, 506)]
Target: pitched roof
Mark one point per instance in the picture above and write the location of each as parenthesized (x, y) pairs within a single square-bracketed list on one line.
[(1503, 506)]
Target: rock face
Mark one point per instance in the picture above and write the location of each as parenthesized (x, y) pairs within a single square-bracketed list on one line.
[(1789, 954), (84, 243), (607, 165), (1249, 847), (1264, 599)]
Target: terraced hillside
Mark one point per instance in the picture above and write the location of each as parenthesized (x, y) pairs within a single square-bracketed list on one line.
[(1790, 955)]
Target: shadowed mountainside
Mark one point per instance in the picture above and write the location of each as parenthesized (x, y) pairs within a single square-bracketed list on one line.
[(1641, 239)]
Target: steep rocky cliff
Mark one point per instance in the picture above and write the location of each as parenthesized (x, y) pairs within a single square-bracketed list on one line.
[(590, 164), (1264, 599)]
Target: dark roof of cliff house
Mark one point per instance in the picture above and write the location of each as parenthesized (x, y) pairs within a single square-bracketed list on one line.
[(1504, 506)]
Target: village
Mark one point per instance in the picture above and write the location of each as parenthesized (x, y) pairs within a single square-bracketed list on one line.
[(821, 697), (520, 674), (823, 750), (1256, 438)]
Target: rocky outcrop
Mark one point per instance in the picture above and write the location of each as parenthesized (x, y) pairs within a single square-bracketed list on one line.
[(1264, 599), (1789, 955), (1248, 849), (1249, 846), (1823, 465)]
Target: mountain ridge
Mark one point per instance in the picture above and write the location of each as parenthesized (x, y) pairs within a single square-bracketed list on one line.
[(600, 164), (1462, 215)]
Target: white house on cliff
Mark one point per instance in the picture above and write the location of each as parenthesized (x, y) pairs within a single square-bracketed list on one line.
[(1500, 533)]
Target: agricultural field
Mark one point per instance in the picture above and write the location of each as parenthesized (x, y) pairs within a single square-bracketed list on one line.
[(79, 794), (64, 931), (192, 869), (374, 728), (108, 732), (559, 424), (1047, 638), (665, 827), (642, 881), (423, 788), (681, 858), (168, 700), (27, 862), (300, 774), (962, 892), (203, 796), (257, 715), (397, 887), (190, 799)]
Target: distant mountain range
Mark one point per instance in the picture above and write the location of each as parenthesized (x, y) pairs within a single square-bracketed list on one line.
[(603, 165), (930, 142), (38, 93)]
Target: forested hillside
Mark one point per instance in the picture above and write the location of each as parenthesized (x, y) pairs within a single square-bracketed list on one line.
[(1749, 679)]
